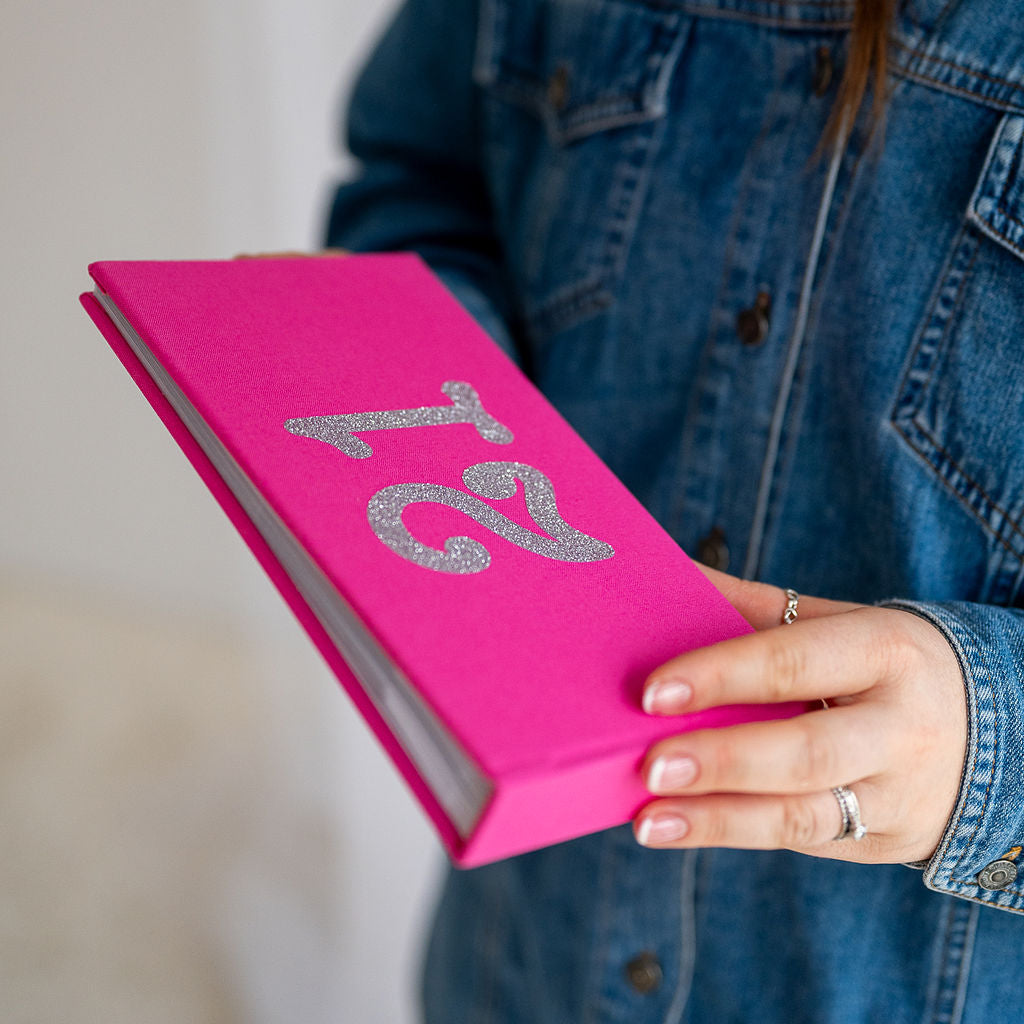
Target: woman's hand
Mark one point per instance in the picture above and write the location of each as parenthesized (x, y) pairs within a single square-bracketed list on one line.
[(895, 733)]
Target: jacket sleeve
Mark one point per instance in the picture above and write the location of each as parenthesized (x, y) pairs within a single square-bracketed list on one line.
[(979, 856), (414, 126)]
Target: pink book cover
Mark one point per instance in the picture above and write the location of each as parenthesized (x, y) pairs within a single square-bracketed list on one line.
[(486, 590)]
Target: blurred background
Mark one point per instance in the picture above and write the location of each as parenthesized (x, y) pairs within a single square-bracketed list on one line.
[(194, 824)]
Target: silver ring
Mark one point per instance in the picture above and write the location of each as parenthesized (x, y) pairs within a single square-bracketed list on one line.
[(789, 616), (849, 808)]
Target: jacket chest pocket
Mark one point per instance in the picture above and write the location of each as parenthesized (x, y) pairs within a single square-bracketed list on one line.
[(574, 94), (961, 403)]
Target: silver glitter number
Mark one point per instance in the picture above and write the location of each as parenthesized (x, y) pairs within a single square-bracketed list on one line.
[(340, 431), (464, 555)]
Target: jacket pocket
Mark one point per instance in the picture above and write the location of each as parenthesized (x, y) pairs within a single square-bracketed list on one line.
[(961, 402), (574, 93)]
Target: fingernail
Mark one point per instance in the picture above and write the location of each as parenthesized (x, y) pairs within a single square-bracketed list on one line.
[(667, 697), (669, 773), (657, 829)]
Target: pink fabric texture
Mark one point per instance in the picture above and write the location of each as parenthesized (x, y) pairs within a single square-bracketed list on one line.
[(534, 665)]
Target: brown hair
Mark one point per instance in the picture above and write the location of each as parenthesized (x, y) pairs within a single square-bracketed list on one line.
[(865, 63)]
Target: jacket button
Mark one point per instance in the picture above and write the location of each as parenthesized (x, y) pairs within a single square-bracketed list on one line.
[(558, 87), (822, 71), (644, 973), (1000, 874), (713, 551), (752, 324)]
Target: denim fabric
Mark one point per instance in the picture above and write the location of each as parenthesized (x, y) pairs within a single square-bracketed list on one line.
[(607, 184)]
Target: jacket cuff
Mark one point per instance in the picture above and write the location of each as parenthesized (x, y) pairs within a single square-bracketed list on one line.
[(979, 855)]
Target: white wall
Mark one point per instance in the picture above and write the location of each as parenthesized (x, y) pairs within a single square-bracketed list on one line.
[(195, 824)]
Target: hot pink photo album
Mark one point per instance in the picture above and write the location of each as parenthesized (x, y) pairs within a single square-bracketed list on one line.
[(485, 589)]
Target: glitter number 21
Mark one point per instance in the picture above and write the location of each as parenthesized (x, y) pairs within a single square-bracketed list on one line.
[(496, 480)]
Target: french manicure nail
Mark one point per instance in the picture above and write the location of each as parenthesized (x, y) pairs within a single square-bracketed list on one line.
[(669, 773), (667, 697), (657, 829)]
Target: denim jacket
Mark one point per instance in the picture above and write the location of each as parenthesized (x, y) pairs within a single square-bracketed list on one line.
[(811, 369)]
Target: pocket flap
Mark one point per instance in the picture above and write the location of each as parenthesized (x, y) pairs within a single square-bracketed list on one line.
[(997, 206), (581, 65)]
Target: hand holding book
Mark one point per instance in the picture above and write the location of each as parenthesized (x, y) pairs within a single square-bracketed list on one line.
[(486, 590), (888, 717)]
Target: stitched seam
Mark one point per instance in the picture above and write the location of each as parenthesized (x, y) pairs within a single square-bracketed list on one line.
[(626, 201), (943, 342), (941, 987), (762, 19), (959, 938), (974, 766), (998, 196), (600, 115), (982, 493), (961, 68), (938, 969), (1014, 173), (591, 120), (897, 414), (1009, 216), (991, 779), (563, 311), (988, 101), (935, 975), (970, 927), (994, 505), (988, 903), (1010, 890)]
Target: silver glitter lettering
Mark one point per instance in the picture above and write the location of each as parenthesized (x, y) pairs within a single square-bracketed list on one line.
[(340, 430), (463, 555)]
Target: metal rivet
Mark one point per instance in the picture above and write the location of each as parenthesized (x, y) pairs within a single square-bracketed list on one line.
[(752, 324), (644, 972), (1000, 874), (558, 87), (822, 71)]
